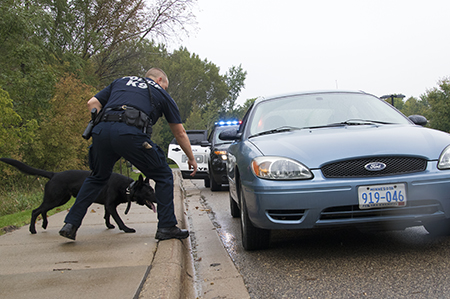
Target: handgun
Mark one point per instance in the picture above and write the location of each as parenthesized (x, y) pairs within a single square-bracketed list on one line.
[(88, 131)]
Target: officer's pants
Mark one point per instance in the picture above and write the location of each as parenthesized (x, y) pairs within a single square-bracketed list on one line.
[(110, 141)]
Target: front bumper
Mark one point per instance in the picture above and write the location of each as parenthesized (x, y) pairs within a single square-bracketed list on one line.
[(218, 170), (199, 175), (325, 202)]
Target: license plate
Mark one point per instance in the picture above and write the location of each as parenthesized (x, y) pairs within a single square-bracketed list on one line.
[(379, 196)]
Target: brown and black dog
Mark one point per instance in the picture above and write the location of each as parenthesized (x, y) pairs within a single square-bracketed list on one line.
[(63, 185)]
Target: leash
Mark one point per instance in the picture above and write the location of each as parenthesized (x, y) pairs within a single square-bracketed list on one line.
[(130, 189), (130, 193)]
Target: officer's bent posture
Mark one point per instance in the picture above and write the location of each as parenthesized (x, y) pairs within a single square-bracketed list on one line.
[(128, 108)]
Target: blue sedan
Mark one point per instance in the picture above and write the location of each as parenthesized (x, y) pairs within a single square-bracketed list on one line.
[(335, 159)]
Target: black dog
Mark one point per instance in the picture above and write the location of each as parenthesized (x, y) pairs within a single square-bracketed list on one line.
[(63, 185)]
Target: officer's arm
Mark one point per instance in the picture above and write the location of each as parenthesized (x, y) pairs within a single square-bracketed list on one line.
[(94, 103), (183, 140)]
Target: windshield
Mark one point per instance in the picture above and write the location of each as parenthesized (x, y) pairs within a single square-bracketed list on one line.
[(322, 110)]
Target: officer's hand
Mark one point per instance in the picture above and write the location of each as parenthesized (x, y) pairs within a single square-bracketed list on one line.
[(193, 165)]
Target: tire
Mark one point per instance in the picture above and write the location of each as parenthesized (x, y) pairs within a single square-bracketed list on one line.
[(207, 183), (214, 185), (234, 208), (253, 238), (438, 228)]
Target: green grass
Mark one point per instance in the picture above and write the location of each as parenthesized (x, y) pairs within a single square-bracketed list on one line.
[(19, 219)]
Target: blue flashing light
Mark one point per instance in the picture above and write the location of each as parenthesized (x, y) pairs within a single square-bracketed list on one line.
[(228, 123)]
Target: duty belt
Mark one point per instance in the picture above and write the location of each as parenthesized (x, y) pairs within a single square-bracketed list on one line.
[(131, 116)]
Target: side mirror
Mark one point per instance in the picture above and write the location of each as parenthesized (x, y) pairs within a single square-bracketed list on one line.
[(418, 119), (205, 143), (230, 134)]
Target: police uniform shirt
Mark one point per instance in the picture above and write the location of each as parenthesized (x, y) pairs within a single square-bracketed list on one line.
[(132, 91)]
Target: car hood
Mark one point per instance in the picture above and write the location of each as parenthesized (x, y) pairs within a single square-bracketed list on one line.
[(315, 147), (222, 147)]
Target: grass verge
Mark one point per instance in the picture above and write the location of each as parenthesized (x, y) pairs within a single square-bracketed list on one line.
[(14, 221)]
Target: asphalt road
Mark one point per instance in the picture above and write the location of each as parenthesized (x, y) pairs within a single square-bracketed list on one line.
[(335, 263)]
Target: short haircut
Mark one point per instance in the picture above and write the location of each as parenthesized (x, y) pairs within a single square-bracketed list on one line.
[(155, 72)]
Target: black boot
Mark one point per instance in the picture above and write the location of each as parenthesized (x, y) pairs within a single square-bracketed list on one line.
[(69, 231), (171, 233)]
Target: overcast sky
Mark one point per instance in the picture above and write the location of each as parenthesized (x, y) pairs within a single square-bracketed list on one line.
[(379, 46)]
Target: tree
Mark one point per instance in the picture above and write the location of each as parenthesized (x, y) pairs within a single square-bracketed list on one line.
[(235, 78), (203, 119), (193, 82), (414, 106), (240, 111), (12, 133), (58, 145), (99, 30), (9, 122), (439, 101), (24, 72)]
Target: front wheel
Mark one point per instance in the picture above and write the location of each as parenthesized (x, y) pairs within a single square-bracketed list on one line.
[(253, 238)]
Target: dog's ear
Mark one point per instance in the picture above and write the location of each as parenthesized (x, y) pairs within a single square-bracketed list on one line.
[(147, 181), (141, 179)]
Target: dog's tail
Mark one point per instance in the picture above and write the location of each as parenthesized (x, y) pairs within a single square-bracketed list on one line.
[(28, 169)]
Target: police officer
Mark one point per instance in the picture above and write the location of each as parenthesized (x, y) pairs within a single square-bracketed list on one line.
[(130, 106)]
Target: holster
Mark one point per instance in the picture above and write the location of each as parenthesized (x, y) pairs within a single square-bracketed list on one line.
[(132, 117)]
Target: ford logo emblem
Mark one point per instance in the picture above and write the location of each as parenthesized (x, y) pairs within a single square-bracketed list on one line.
[(375, 166)]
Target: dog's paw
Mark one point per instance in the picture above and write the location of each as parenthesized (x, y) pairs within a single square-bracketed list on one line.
[(129, 230), (110, 226), (32, 230)]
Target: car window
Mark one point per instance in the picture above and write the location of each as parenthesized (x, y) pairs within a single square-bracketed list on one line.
[(194, 137), (303, 111)]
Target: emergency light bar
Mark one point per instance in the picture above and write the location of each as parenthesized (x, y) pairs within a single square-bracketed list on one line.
[(227, 123)]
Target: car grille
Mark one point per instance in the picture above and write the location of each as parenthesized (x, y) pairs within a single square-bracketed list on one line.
[(286, 215), (355, 168), (422, 207)]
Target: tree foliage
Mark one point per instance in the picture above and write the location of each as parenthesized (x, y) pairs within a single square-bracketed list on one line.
[(25, 73), (193, 82), (235, 79), (11, 133), (415, 106), (439, 99), (109, 31), (58, 144)]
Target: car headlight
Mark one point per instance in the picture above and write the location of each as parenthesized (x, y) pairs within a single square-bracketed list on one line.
[(444, 159), (279, 168), (221, 154)]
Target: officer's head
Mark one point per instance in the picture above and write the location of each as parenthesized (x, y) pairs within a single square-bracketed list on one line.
[(158, 75)]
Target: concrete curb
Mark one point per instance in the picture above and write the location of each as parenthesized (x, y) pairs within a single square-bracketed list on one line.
[(171, 272), (216, 275)]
